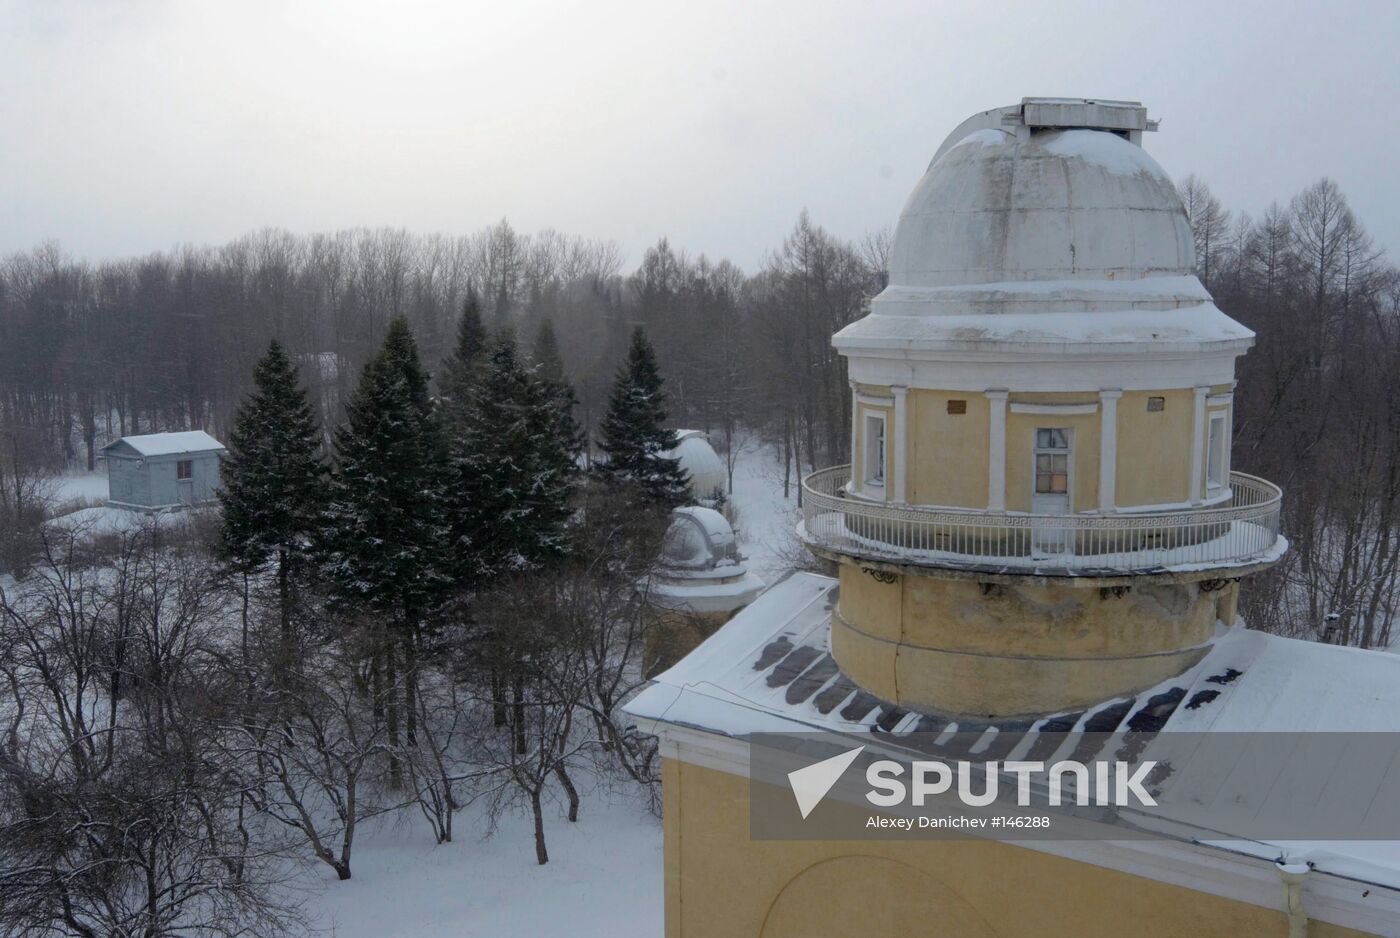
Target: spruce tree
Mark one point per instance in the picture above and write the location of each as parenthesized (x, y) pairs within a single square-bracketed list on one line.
[(272, 480), (634, 437), (548, 361), (513, 470), (383, 532), (549, 368), (385, 548), (462, 366)]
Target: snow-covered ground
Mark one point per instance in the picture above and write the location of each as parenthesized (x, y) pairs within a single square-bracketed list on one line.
[(604, 877), (82, 486), (765, 523)]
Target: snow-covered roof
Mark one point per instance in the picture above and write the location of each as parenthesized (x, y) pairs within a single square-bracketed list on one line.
[(770, 670), (699, 459), (169, 444)]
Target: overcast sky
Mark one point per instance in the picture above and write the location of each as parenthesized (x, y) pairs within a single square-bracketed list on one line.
[(127, 127)]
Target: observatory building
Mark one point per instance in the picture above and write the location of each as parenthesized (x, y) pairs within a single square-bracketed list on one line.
[(1039, 530), (1040, 512)]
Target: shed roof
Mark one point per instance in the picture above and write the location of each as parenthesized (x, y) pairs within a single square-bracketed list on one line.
[(169, 444)]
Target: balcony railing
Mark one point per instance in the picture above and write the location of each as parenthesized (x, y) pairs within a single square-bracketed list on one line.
[(1239, 532)]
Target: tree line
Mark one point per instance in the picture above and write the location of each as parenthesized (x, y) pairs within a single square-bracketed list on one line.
[(91, 352), (1317, 408), (168, 341)]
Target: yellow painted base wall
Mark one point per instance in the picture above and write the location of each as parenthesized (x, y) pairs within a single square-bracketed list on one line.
[(1001, 650), (671, 635), (722, 884)]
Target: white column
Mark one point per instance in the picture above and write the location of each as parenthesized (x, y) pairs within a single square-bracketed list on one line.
[(1108, 449), (855, 416), (1198, 432), (996, 452), (901, 440)]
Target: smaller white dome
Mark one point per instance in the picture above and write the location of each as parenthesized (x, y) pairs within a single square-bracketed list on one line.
[(699, 539), (701, 570), (699, 459)]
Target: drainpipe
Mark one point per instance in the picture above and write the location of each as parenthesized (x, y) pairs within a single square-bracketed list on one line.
[(1292, 876)]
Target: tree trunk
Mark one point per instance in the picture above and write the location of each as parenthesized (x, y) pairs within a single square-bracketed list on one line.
[(284, 605), (517, 694), (563, 775), (498, 698), (391, 712), (410, 683), (541, 854)]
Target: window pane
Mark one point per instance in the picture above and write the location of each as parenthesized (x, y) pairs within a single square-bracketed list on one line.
[(1215, 460), (1042, 484), (1059, 484)]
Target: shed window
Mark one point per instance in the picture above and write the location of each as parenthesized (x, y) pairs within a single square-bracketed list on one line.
[(874, 449), (1216, 453), (184, 469)]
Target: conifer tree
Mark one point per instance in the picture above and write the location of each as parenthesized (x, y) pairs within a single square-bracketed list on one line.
[(462, 366), (634, 437), (272, 480), (513, 469), (549, 368), (546, 353), (384, 534)]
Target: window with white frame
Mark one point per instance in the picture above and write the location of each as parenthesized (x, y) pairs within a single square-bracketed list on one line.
[(1217, 452), (874, 449)]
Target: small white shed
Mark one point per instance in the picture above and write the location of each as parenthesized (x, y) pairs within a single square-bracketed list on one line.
[(162, 470)]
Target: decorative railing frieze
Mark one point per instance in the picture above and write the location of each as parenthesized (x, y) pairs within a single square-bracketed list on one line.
[(1240, 531)]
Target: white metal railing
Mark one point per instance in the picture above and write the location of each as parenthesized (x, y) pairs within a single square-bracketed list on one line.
[(1242, 530)]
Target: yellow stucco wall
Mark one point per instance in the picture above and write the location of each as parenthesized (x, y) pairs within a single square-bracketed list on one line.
[(1154, 448), (960, 646), (719, 883), (947, 454), (672, 634)]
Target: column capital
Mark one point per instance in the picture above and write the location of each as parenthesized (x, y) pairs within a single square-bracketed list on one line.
[(1201, 390), (899, 390), (1110, 394), (997, 394)]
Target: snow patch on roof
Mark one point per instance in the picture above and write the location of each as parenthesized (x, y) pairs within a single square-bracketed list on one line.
[(170, 444), (1108, 151)]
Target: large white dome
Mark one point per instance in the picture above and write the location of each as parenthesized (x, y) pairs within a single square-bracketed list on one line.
[(1043, 230), (1072, 204)]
